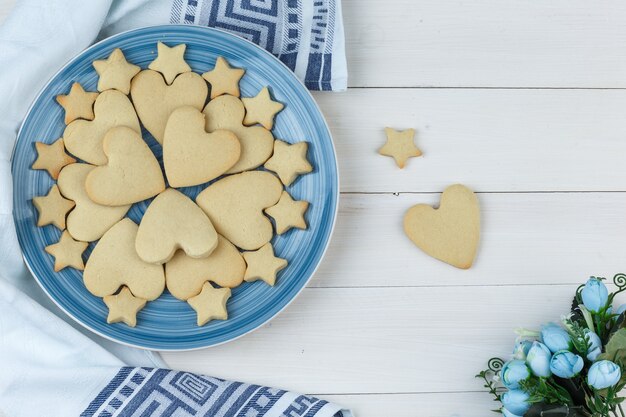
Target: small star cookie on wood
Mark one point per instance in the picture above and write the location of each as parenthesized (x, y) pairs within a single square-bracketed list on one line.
[(115, 72), (400, 145), (52, 208), (78, 104), (289, 161), (124, 307), (288, 213), (224, 79), (52, 157), (261, 109), (170, 61), (262, 264), (67, 252), (210, 304)]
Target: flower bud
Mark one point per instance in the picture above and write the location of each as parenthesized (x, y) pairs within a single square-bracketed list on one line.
[(538, 359), (595, 295), (513, 372), (603, 374), (565, 364)]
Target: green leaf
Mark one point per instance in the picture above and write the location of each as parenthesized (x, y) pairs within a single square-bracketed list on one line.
[(616, 347)]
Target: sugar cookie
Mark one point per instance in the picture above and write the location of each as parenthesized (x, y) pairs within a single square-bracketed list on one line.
[(227, 112), (155, 101), (262, 264), (115, 72), (88, 221), (210, 304), (52, 208), (171, 222), (235, 206), (52, 157), (449, 233), (83, 138), (400, 146), (288, 213), (191, 155), (185, 276), (123, 307), (78, 104), (114, 263), (132, 174), (223, 78), (261, 109), (170, 61), (67, 252), (289, 161)]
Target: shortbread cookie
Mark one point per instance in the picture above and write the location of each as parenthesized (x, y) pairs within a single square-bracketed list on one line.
[(261, 109), (78, 104), (67, 252), (114, 263), (88, 221), (263, 264), (171, 222), (123, 307), (449, 233), (235, 206), (155, 101), (170, 61), (52, 208), (132, 174), (210, 304), (227, 112), (83, 138), (52, 157), (115, 72), (289, 161), (191, 155), (223, 78), (185, 276), (400, 146), (288, 213)]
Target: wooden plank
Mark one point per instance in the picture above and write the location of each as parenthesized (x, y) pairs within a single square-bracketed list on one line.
[(543, 238), (485, 43), (492, 140)]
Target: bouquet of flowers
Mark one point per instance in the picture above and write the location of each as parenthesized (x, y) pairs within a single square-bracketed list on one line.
[(571, 369)]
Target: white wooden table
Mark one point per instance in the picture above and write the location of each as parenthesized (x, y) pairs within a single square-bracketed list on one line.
[(525, 102)]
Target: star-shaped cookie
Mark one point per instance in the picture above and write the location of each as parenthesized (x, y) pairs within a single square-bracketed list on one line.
[(67, 252), (78, 104), (115, 72), (400, 145), (223, 78), (52, 157), (261, 109), (289, 161), (123, 306), (210, 304), (262, 264), (288, 213), (52, 208), (170, 61)]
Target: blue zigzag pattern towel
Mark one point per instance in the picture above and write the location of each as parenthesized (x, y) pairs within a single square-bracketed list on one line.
[(307, 35)]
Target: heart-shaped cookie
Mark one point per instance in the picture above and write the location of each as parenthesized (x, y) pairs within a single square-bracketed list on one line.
[(191, 155), (114, 263), (257, 143), (83, 138), (171, 222), (235, 205), (185, 276), (88, 221), (155, 101), (132, 174), (449, 233)]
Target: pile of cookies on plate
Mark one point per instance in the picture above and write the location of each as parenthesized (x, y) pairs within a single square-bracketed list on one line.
[(102, 166)]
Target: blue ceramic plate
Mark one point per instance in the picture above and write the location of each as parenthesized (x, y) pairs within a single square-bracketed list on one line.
[(167, 323)]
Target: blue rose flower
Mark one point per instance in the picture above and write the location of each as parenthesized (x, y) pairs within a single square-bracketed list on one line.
[(538, 359), (521, 349), (515, 401), (595, 345), (603, 374), (595, 295), (513, 372), (555, 337), (566, 364)]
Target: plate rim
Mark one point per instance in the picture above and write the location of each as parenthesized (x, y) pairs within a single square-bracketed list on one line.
[(335, 209)]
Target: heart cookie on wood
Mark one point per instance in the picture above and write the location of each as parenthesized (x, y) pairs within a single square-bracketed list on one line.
[(191, 155), (171, 222), (449, 233), (133, 173), (235, 205), (155, 101), (114, 263), (84, 138)]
